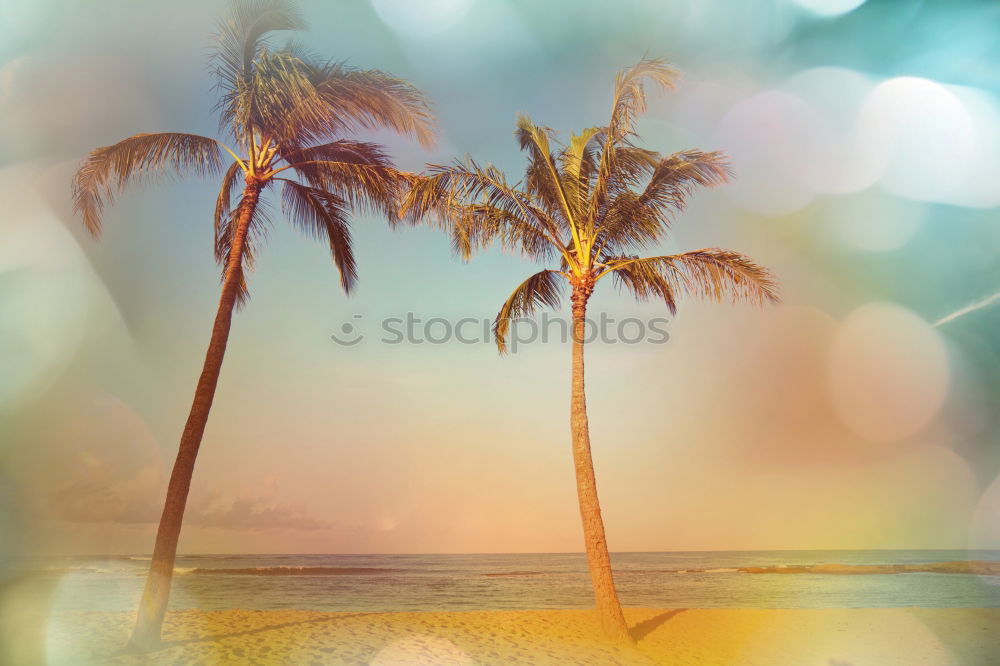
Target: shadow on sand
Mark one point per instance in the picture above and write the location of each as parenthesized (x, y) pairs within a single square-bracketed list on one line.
[(166, 645), (646, 627), (638, 632), (259, 630)]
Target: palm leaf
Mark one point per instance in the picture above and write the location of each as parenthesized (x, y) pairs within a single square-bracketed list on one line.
[(241, 34), (711, 273), (629, 102), (341, 150), (540, 289), (109, 169), (239, 39), (677, 176), (223, 205), (278, 99), (372, 186), (542, 178), (322, 215), (633, 221), (371, 99), (256, 236), (630, 94), (646, 281), (458, 196), (578, 165)]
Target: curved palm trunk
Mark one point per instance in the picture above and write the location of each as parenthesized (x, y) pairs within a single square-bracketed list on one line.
[(156, 593), (608, 607)]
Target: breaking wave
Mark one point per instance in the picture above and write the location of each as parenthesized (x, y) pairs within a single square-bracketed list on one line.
[(288, 571), (976, 567)]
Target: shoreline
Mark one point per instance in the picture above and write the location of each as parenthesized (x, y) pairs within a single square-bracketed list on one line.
[(664, 635)]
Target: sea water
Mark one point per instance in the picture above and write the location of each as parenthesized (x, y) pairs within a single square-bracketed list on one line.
[(515, 581)]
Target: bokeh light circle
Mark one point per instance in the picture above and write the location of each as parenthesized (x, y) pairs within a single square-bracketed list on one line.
[(888, 372), (830, 7), (985, 524), (762, 134), (872, 221), (420, 19), (930, 139)]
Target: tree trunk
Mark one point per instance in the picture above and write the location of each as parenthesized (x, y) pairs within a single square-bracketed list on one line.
[(606, 597), (156, 594)]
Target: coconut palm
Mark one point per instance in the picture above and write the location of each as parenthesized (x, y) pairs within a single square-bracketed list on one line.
[(286, 114), (591, 204)]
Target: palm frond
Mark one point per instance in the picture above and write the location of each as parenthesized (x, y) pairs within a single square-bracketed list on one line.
[(371, 99), (533, 139), (579, 154), (629, 225), (542, 189), (341, 150), (629, 102), (578, 164), (239, 39), (368, 186), (278, 99), (677, 176), (542, 178), (109, 169), (711, 273), (630, 93), (633, 167), (256, 236), (476, 201), (540, 289), (646, 281), (632, 221), (241, 34), (223, 204), (480, 224), (323, 215)]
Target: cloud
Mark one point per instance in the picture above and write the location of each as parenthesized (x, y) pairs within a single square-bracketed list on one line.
[(254, 514), (138, 499), (94, 498), (93, 460)]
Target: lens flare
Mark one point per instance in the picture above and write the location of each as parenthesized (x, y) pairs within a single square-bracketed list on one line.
[(969, 309)]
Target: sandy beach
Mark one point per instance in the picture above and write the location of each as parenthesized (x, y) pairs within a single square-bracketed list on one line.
[(831, 637)]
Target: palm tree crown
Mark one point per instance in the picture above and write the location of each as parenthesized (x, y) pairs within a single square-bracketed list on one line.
[(286, 113), (591, 204)]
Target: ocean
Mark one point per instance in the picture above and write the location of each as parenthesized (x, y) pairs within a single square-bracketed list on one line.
[(780, 579)]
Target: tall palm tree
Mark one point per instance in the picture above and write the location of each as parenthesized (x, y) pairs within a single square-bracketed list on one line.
[(590, 205), (286, 113)]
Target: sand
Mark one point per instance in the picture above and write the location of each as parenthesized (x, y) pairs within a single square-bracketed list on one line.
[(834, 637)]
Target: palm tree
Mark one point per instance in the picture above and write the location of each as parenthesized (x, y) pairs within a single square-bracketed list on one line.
[(590, 205), (287, 113)]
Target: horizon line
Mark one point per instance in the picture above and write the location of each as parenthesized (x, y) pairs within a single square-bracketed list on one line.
[(582, 553)]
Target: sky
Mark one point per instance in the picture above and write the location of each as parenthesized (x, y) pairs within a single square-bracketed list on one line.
[(860, 413)]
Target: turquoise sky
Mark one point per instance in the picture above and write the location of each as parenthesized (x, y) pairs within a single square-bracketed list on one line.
[(866, 147)]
